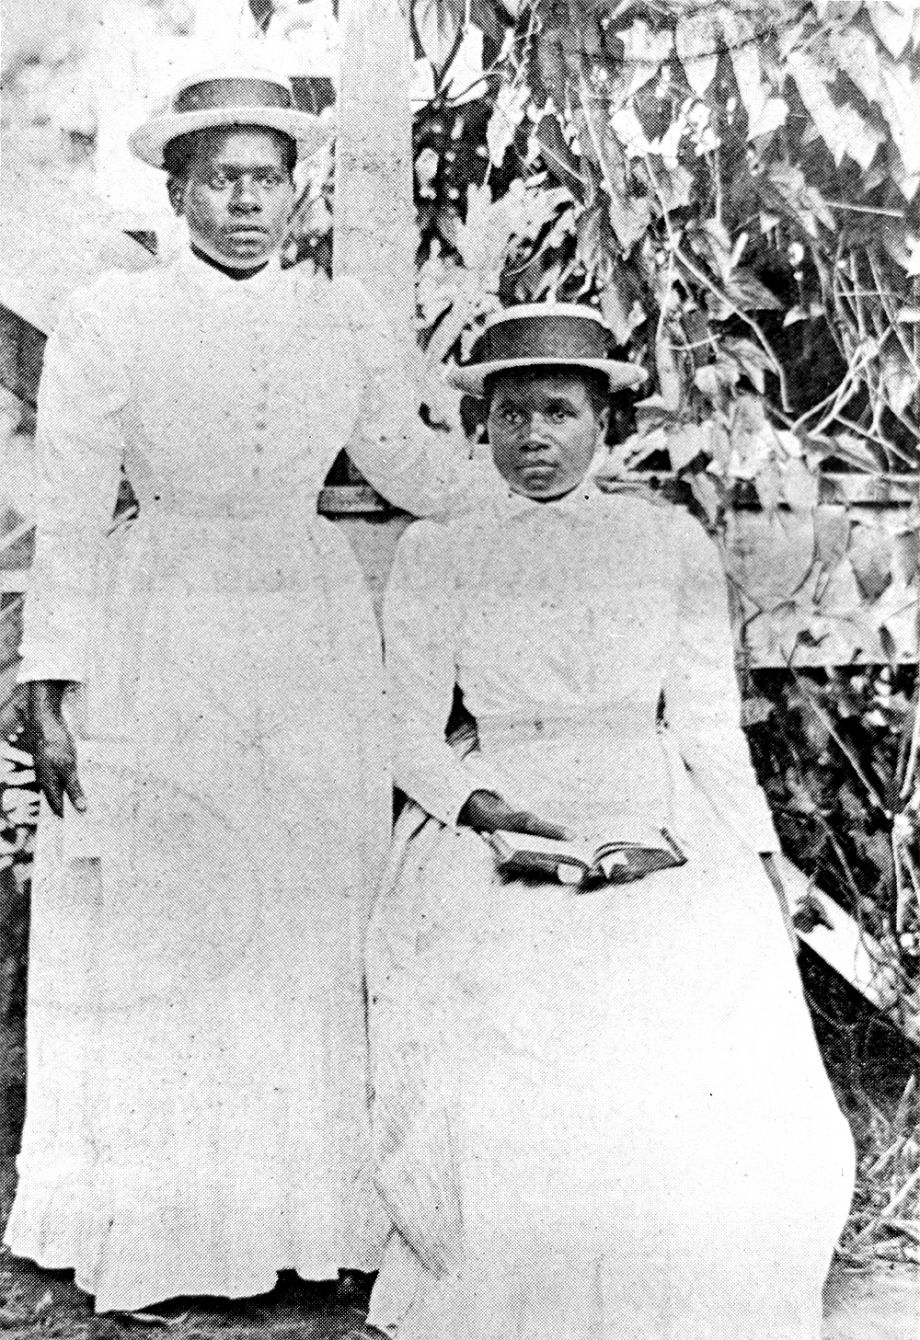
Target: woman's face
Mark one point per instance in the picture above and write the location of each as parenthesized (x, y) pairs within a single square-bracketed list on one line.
[(544, 430), (237, 196)]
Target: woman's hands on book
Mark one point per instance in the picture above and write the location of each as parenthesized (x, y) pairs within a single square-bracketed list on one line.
[(489, 813), (53, 747)]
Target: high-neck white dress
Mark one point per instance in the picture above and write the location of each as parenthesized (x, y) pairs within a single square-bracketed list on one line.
[(196, 1107), (599, 1116)]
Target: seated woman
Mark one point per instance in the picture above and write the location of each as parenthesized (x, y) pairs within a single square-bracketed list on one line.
[(599, 1114)]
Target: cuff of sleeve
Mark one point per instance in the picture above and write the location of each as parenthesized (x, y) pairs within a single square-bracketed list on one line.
[(31, 670), (445, 796)]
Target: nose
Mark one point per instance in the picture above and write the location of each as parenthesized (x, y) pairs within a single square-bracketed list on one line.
[(536, 436), (245, 197)]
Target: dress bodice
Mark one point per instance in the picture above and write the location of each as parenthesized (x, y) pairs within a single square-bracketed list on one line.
[(568, 626), (562, 616), (225, 403), (266, 390), (563, 642)]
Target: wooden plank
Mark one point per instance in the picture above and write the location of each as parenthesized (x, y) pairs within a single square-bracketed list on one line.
[(352, 500), (375, 233), (850, 951)]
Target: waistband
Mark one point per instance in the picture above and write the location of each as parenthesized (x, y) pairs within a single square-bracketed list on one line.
[(624, 722)]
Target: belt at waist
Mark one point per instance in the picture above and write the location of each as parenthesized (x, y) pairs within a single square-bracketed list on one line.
[(260, 504), (617, 722)]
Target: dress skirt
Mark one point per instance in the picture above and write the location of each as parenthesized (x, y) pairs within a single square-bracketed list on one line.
[(196, 1112), (597, 1116)]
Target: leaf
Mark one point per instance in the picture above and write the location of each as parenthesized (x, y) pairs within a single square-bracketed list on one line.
[(674, 185), (766, 111), (832, 534), (631, 454), (907, 547), (629, 130), (899, 380), (621, 320), (696, 43), (751, 359), (900, 98), (870, 555), (685, 443), (559, 158), (748, 293), (893, 23), (799, 486), (855, 450), (630, 216), (669, 381), (769, 486), (438, 24), (707, 494), (888, 645), (645, 51), (841, 127), (510, 105), (715, 378)]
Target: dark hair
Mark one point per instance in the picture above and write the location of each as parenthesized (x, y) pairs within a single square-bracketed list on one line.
[(178, 153), (595, 383)]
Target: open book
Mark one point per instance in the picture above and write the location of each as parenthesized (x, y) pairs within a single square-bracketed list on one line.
[(582, 862)]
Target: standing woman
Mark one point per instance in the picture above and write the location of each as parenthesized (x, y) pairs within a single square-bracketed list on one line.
[(206, 704)]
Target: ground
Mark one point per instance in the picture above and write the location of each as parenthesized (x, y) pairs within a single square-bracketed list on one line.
[(880, 1304)]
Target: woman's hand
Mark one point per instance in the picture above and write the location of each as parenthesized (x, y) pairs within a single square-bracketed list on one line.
[(487, 813), (52, 747)]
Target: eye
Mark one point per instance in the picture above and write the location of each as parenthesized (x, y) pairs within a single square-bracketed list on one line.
[(270, 179), (510, 415), (559, 414), (218, 180)]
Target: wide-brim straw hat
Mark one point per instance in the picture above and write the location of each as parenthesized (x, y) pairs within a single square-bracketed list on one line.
[(544, 334), (229, 97)]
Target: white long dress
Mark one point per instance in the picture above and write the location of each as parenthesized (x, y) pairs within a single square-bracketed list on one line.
[(598, 1116), (196, 1108)]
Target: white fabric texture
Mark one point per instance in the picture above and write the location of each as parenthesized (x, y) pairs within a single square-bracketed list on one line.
[(196, 1110), (641, 611), (603, 1115)]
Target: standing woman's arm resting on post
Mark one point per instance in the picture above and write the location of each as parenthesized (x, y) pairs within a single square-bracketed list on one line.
[(424, 472), (79, 450)]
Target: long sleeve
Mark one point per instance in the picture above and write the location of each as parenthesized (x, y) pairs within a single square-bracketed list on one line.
[(420, 635), (423, 472), (79, 449), (702, 700)]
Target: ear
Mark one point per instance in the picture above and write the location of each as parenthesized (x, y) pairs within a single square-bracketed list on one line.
[(175, 189), (603, 420)]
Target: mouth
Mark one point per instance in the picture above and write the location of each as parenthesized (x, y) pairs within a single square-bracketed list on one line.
[(537, 470), (246, 231)]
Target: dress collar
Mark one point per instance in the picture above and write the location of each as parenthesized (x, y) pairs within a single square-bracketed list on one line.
[(211, 282), (582, 499)]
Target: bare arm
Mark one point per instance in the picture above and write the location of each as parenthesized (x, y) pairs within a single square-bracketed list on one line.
[(53, 747), (487, 812)]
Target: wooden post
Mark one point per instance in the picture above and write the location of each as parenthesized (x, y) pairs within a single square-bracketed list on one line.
[(374, 231)]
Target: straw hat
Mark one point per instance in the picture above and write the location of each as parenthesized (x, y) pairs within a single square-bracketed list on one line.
[(241, 96), (544, 334)]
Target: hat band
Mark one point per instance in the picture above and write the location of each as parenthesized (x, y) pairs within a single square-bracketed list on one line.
[(544, 337), (217, 94)]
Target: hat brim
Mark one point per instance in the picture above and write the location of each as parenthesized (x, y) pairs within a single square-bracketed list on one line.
[(150, 139), (620, 375)]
